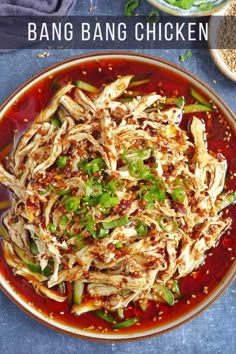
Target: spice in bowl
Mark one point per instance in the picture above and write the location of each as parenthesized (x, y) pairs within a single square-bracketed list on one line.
[(226, 38)]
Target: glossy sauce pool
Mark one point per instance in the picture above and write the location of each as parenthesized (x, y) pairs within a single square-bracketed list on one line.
[(195, 287)]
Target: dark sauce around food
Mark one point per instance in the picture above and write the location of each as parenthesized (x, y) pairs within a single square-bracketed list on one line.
[(196, 286)]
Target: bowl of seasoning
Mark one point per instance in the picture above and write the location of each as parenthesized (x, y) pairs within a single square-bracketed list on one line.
[(197, 8), (222, 40)]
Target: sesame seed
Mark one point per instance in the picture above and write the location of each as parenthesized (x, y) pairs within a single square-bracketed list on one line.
[(214, 82), (84, 72)]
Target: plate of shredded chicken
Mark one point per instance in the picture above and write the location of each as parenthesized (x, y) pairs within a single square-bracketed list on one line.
[(116, 201)]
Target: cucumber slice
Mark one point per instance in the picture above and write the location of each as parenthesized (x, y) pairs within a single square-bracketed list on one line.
[(198, 96), (86, 86), (78, 289), (164, 293)]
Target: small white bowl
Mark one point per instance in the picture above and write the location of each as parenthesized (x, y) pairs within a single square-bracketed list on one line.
[(214, 24), (194, 11)]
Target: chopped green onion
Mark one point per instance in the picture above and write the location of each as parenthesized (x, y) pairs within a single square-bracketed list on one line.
[(115, 223), (119, 245), (167, 224), (102, 233), (104, 316), (52, 228), (178, 195), (56, 122), (94, 166), (184, 4), (72, 204), (116, 185), (141, 228), (206, 6), (47, 271), (127, 323), (107, 201), (187, 55), (131, 6), (153, 16), (64, 220), (33, 248), (191, 108), (86, 86), (61, 161), (93, 188), (180, 102), (138, 169), (79, 241)]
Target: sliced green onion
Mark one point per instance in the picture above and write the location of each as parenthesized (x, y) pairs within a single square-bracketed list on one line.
[(61, 161), (47, 271), (187, 55), (131, 6), (63, 192), (180, 102), (191, 108), (115, 223), (206, 6), (104, 316), (127, 323), (86, 86), (178, 195), (33, 248), (93, 188), (138, 169), (72, 204), (141, 228), (94, 166), (116, 185), (184, 4), (107, 201), (56, 122), (153, 16), (52, 228), (64, 220), (167, 224), (102, 233), (119, 245), (79, 241)]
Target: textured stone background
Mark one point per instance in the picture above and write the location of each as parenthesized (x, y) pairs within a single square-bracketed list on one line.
[(211, 332)]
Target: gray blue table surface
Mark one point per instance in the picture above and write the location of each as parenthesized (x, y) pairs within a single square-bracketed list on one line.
[(211, 332)]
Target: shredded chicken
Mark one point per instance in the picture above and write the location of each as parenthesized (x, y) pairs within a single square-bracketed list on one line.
[(115, 196)]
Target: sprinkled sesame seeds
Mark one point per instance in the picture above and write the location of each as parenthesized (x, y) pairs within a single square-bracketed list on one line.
[(84, 72), (43, 55)]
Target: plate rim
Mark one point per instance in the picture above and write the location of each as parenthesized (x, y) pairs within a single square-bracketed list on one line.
[(208, 300)]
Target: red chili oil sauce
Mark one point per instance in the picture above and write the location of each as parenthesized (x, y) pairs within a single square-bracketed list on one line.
[(195, 287)]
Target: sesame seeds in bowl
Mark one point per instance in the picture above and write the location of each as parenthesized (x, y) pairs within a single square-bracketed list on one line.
[(222, 40)]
